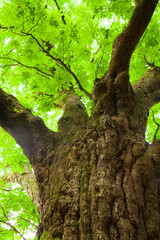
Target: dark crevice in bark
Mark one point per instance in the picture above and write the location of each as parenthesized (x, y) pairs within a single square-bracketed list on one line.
[(143, 185)]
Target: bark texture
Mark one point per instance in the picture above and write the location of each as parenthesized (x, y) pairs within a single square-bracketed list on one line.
[(105, 188), (97, 177)]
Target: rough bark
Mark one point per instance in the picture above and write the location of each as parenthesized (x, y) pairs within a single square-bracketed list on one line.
[(29, 131), (105, 188), (97, 177), (147, 88)]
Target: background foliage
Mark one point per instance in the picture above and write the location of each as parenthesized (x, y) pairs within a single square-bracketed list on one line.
[(47, 46)]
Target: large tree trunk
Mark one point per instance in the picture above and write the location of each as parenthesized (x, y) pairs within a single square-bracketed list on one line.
[(97, 177), (103, 186)]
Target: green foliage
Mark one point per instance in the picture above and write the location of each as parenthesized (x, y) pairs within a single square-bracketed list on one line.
[(17, 209), (153, 125), (40, 48), (16, 206)]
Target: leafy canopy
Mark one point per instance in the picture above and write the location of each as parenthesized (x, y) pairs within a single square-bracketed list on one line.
[(48, 45)]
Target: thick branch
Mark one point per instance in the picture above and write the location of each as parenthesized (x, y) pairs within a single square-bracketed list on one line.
[(113, 93), (28, 130), (147, 88), (126, 42)]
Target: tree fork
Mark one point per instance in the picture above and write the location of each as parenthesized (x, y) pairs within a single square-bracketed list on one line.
[(104, 94)]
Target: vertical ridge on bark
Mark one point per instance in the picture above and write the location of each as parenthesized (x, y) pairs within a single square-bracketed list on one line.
[(105, 186)]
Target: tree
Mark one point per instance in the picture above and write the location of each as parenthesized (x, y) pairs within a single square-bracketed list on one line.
[(97, 176)]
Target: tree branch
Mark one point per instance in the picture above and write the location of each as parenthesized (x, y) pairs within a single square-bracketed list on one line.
[(113, 93), (26, 66), (14, 229), (147, 88), (4, 213), (63, 18), (28, 221), (8, 190), (126, 42), (59, 61), (28, 130), (2, 27), (158, 126), (33, 215), (96, 52)]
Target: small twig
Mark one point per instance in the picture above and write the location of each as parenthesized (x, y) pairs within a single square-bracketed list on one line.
[(35, 24), (5, 230), (19, 34), (59, 61), (28, 221), (99, 65), (56, 105), (63, 17), (38, 18), (9, 52), (23, 65), (14, 229), (8, 65), (10, 190), (93, 58), (31, 213), (158, 126), (43, 75), (1, 27), (4, 213)]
